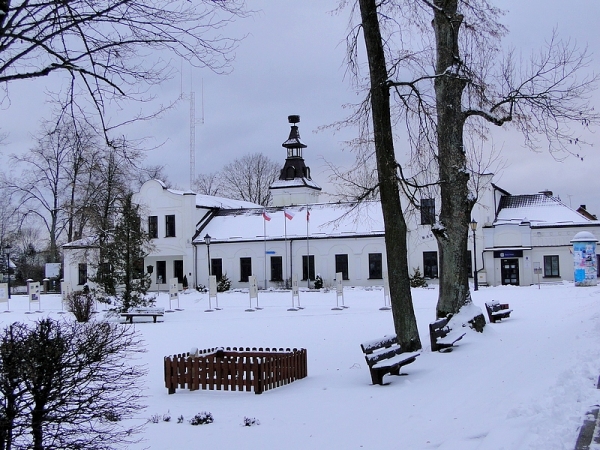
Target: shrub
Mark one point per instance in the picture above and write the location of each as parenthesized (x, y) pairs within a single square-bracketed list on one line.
[(81, 304), (224, 284), (418, 280), (251, 421), (202, 418)]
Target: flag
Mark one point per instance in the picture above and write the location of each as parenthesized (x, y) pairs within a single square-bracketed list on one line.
[(307, 214), (266, 216), (288, 214)]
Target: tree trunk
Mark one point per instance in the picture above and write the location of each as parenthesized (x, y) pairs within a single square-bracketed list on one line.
[(456, 202), (405, 323)]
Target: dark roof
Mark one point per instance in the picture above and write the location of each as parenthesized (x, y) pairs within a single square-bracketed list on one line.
[(519, 201)]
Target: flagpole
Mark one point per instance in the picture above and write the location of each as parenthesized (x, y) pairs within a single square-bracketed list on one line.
[(285, 245), (265, 240), (307, 247)]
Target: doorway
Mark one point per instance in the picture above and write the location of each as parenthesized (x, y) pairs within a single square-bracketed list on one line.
[(509, 271)]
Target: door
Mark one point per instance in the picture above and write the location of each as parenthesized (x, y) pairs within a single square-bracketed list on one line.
[(510, 271)]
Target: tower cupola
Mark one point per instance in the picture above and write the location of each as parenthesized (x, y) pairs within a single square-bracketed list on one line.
[(294, 185)]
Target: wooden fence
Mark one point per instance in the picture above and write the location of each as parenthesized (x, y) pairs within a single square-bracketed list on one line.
[(235, 368)]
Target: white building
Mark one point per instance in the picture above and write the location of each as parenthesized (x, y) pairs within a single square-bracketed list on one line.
[(298, 235)]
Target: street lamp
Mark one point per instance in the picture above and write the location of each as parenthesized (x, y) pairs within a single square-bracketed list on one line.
[(207, 239), (7, 248), (473, 226)]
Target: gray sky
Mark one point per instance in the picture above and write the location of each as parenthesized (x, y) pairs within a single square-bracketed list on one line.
[(292, 62)]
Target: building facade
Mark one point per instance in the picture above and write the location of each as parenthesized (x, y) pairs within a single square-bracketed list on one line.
[(519, 239)]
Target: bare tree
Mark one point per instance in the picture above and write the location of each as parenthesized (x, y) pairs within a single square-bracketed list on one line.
[(248, 178), (69, 385), (111, 50), (208, 183), (469, 82), (405, 322)]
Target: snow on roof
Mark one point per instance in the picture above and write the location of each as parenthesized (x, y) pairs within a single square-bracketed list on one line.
[(296, 182), (325, 220), (538, 210), (211, 201)]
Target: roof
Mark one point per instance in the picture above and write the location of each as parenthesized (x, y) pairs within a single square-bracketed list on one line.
[(326, 220), (537, 210), (211, 201), (295, 182)]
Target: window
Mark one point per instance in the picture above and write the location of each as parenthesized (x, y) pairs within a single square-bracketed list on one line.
[(178, 270), (170, 226), (551, 266), (138, 268), (245, 268), (427, 211), (276, 268), (82, 271), (430, 265), (341, 265), (308, 267), (153, 227), (216, 268), (375, 266), (161, 272)]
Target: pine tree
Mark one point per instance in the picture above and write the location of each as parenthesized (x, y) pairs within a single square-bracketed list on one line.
[(120, 273)]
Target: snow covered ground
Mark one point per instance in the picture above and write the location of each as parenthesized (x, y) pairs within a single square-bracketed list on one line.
[(525, 383)]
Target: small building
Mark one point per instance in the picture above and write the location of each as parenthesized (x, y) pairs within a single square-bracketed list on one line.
[(532, 232)]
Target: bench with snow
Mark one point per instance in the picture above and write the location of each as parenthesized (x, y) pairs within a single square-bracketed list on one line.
[(497, 311), (385, 356), (442, 337), (143, 312)]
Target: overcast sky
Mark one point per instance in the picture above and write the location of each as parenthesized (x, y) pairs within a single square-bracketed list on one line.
[(292, 62)]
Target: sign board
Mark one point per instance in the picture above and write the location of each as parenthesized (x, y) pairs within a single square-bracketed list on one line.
[(173, 292), (3, 292), (212, 285), (253, 287), (295, 285), (34, 292), (52, 270), (339, 286)]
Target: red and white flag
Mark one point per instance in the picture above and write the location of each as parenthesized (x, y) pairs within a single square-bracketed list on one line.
[(288, 214), (266, 216)]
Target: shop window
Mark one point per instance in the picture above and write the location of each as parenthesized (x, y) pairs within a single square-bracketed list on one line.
[(551, 266), (170, 225), (341, 265), (216, 268), (153, 227), (308, 267), (161, 272), (427, 211), (276, 268), (430, 265), (375, 266), (245, 268), (82, 274), (178, 270)]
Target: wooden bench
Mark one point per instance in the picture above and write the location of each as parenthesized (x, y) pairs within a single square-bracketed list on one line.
[(385, 356), (143, 312), (442, 337), (497, 311)]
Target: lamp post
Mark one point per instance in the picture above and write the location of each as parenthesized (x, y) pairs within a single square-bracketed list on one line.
[(7, 248), (207, 239), (473, 226)]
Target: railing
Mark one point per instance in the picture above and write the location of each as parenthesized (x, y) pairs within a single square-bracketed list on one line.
[(235, 368)]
